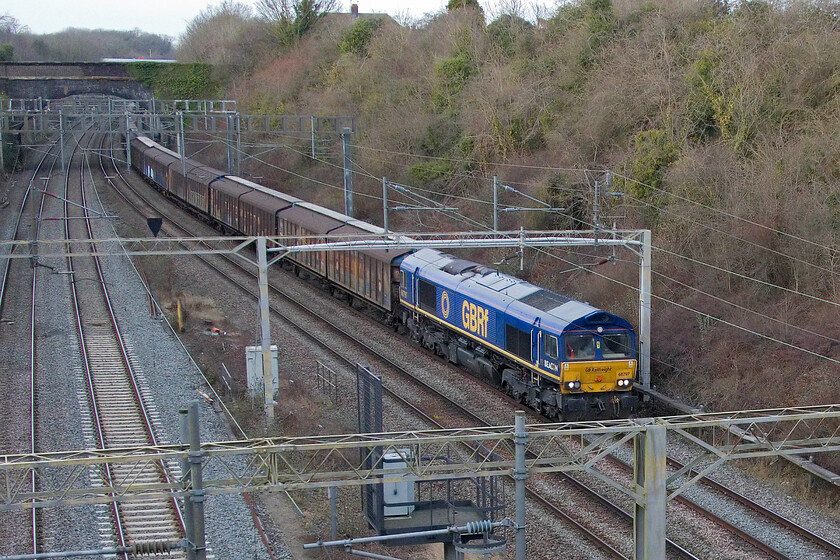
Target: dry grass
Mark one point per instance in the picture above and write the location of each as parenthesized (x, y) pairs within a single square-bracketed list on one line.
[(795, 482)]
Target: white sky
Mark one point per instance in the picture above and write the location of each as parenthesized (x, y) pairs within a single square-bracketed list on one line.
[(49, 16)]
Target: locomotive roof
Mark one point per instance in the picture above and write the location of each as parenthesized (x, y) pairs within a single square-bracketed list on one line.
[(513, 295)]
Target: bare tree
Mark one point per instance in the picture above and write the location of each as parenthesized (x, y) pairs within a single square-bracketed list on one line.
[(291, 19), (275, 10), (11, 26), (224, 36), (539, 12), (498, 8)]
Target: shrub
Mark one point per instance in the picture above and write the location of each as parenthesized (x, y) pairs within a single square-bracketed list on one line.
[(519, 133), (290, 20), (567, 16), (709, 112), (175, 81), (510, 34), (560, 192), (440, 137), (429, 171), (600, 17), (453, 74), (460, 4), (654, 153), (357, 38)]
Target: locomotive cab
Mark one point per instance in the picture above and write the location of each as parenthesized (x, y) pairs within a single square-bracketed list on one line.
[(598, 361)]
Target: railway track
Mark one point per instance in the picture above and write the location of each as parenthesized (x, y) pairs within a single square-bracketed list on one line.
[(474, 420), (17, 269), (118, 405), (825, 544)]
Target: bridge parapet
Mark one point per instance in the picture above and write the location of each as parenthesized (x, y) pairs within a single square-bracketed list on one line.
[(127, 79), (47, 70)]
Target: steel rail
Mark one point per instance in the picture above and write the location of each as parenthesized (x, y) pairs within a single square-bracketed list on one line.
[(153, 303), (762, 510), (751, 504), (758, 508), (591, 493), (141, 402), (7, 263), (118, 416), (32, 321), (33, 402), (80, 330), (723, 523), (757, 543)]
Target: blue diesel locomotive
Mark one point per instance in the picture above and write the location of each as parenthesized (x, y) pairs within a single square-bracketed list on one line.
[(554, 354)]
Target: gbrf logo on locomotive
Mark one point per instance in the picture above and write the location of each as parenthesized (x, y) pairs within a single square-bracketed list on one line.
[(474, 318)]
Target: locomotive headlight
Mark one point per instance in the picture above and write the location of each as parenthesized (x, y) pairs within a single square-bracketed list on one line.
[(572, 385), (623, 382)]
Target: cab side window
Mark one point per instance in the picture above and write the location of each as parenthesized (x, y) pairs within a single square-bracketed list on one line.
[(551, 346), (428, 295)]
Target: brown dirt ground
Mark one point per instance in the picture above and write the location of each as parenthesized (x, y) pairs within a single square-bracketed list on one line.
[(302, 409)]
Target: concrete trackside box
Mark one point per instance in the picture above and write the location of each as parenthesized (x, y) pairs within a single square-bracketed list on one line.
[(254, 365)]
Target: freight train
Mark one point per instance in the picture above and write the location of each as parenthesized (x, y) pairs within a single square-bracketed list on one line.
[(562, 357)]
